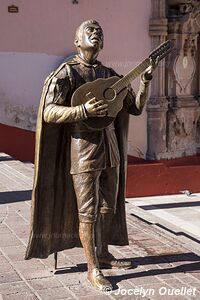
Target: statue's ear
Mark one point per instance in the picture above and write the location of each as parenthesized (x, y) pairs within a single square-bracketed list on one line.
[(76, 43)]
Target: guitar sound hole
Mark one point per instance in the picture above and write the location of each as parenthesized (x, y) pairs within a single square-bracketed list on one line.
[(109, 94)]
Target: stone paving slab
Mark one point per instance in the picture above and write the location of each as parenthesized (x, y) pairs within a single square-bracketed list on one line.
[(163, 263), (179, 214)]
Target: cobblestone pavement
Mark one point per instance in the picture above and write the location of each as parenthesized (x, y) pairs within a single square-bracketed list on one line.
[(164, 264)]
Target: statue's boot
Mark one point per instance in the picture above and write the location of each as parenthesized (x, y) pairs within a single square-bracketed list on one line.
[(95, 276), (105, 258), (109, 261), (97, 279)]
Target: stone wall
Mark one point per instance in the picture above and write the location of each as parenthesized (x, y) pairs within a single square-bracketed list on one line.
[(173, 109)]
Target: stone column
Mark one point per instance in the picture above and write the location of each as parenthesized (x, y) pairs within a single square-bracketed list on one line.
[(182, 78), (157, 105)]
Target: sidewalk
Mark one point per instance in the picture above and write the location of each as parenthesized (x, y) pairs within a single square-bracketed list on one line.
[(178, 214), (165, 262)]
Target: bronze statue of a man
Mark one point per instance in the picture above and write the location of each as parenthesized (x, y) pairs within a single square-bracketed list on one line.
[(79, 182)]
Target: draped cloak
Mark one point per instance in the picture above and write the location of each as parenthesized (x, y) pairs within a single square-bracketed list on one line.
[(54, 215)]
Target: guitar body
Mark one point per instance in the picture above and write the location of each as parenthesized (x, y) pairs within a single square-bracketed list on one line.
[(101, 90)]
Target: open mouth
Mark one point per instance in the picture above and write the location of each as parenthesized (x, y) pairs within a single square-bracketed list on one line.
[(95, 39)]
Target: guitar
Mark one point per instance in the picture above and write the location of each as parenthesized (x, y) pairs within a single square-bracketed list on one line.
[(113, 90)]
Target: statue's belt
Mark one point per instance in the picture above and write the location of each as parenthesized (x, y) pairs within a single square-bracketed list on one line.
[(77, 127)]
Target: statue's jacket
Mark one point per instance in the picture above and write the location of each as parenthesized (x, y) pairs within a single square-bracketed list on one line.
[(64, 146)]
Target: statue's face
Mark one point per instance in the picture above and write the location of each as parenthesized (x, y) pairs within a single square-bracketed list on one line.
[(91, 37)]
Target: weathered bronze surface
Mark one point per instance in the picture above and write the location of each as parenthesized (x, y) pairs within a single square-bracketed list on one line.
[(79, 183)]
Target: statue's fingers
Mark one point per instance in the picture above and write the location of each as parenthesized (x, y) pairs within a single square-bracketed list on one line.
[(102, 112), (102, 115), (101, 107), (98, 103), (157, 60), (92, 101), (150, 69)]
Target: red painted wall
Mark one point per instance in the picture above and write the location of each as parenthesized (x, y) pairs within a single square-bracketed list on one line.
[(163, 178), (17, 142)]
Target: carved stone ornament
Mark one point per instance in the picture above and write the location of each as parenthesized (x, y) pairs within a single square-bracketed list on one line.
[(184, 70), (177, 108), (183, 29)]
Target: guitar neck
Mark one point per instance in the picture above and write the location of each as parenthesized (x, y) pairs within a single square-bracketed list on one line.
[(128, 78)]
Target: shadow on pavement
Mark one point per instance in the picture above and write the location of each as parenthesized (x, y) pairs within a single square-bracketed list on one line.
[(193, 267), (74, 269), (15, 196), (166, 258), (6, 158), (170, 205), (189, 268)]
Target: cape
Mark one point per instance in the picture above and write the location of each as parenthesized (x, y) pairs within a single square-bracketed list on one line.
[(54, 216)]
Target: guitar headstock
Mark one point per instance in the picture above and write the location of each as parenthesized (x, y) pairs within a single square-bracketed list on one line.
[(161, 51)]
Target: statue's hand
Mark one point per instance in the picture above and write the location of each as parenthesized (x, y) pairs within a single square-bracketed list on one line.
[(96, 108), (148, 75)]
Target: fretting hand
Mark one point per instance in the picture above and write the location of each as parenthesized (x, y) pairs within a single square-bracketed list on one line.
[(95, 108), (148, 75)]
